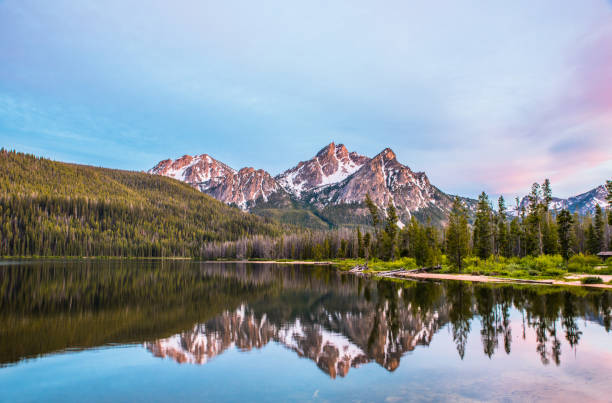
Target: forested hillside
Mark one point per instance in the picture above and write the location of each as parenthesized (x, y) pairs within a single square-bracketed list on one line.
[(50, 208)]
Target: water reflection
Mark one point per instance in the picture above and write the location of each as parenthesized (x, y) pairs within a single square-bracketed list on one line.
[(192, 312)]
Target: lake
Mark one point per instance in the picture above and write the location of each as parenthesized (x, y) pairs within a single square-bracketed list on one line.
[(146, 331)]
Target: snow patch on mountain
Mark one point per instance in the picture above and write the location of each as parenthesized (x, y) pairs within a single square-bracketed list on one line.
[(332, 164)]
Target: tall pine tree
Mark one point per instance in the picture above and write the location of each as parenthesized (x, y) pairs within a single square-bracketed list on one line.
[(564, 230), (503, 245), (457, 234), (483, 240)]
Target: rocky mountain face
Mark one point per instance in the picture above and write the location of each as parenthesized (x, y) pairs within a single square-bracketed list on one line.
[(329, 189), (241, 188), (333, 180), (331, 165), (583, 203), (387, 181)]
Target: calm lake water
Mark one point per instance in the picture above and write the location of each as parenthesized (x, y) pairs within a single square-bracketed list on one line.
[(188, 331)]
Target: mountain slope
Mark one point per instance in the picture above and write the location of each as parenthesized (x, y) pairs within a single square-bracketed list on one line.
[(54, 208), (331, 165), (388, 181), (327, 190), (242, 188)]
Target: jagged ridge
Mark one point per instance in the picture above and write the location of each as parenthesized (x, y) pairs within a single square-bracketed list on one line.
[(329, 189)]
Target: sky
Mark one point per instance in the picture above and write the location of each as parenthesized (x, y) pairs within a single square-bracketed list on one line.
[(481, 95)]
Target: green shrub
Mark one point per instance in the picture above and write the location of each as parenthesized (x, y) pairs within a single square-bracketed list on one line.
[(591, 280), (520, 273), (583, 263), (554, 272)]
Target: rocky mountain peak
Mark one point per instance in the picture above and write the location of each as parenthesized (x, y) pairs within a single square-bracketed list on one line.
[(332, 164), (386, 155), (583, 203), (336, 180), (201, 170)]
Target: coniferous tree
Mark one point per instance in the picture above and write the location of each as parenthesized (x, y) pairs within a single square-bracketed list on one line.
[(390, 233), (534, 221), (549, 234), (591, 240), (578, 233), (483, 240), (360, 248), (515, 236), (564, 229), (548, 226), (546, 194), (503, 246), (457, 234), (374, 216), (417, 243), (373, 210), (367, 242), (597, 241), (609, 196), (433, 250)]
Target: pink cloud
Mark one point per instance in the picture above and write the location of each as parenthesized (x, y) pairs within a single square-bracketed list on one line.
[(594, 73), (574, 134)]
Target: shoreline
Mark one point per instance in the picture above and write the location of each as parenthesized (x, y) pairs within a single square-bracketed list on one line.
[(450, 277), (501, 280), (322, 263), (439, 276), (399, 275)]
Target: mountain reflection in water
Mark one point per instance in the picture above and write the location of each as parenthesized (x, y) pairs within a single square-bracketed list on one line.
[(396, 321), (193, 312)]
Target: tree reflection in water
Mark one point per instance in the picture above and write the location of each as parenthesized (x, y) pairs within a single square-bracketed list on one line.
[(192, 312)]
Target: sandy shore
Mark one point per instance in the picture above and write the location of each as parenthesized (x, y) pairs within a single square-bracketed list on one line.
[(488, 279)]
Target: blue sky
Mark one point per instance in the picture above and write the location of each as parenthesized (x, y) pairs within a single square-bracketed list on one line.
[(480, 95)]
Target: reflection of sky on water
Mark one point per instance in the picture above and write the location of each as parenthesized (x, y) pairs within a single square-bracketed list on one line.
[(277, 331), (276, 373)]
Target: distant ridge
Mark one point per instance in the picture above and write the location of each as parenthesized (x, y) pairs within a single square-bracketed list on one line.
[(332, 185), (329, 189)]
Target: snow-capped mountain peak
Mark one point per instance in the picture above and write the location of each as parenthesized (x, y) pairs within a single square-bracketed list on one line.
[(202, 170), (340, 180), (205, 173), (332, 164), (583, 203)]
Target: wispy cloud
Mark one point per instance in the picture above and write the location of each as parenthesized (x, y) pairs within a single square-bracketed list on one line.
[(480, 95)]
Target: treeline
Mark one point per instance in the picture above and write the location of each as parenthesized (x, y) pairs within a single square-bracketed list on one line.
[(50, 208), (533, 230), (305, 245)]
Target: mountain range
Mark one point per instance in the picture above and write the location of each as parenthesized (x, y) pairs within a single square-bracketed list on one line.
[(583, 203), (329, 189)]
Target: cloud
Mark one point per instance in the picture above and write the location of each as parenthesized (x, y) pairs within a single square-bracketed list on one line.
[(479, 95)]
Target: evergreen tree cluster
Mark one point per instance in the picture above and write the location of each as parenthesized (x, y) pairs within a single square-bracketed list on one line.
[(534, 230), (50, 208)]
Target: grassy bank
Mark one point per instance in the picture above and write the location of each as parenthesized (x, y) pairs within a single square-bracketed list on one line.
[(529, 267)]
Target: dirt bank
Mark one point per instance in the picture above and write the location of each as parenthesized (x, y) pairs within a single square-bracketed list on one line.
[(488, 279)]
